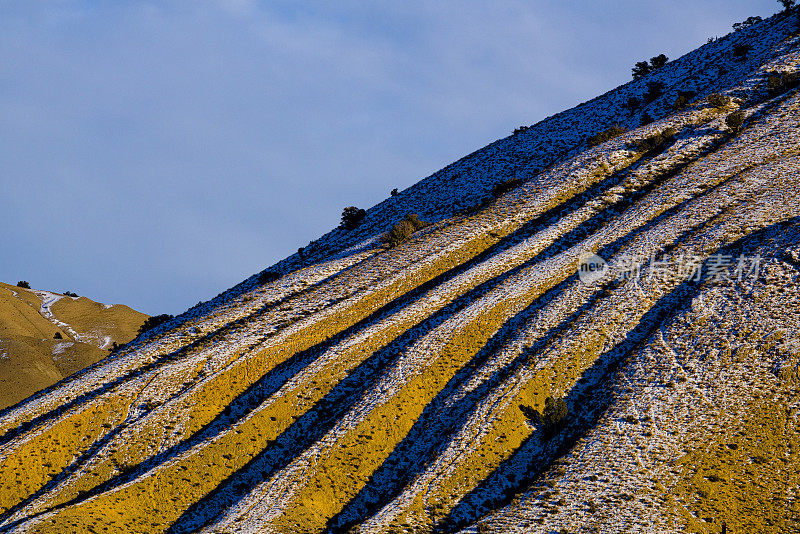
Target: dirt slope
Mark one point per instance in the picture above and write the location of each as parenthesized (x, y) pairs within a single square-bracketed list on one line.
[(31, 358)]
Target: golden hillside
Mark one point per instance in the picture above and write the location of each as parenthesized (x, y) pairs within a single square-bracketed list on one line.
[(482, 374), (31, 358)]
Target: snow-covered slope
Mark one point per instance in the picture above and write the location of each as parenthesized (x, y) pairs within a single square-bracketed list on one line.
[(470, 379)]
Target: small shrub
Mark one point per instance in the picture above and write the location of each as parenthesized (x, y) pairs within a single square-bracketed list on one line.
[(641, 69), (605, 135), (655, 142), (352, 217), (399, 233), (394, 192), (402, 230), (780, 82), (747, 23), (153, 322), (683, 99), (680, 102), (735, 120), (774, 83), (552, 418), (554, 415), (520, 129), (717, 100), (505, 186), (658, 61), (788, 5), (268, 276), (741, 50), (646, 119), (654, 90), (531, 414), (70, 294), (23, 284), (58, 335), (631, 420)]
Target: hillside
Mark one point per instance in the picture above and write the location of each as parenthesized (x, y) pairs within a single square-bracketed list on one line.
[(45, 337), (474, 378)]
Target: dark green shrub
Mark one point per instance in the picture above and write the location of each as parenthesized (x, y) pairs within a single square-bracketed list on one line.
[(414, 220), (655, 142), (552, 418), (70, 294), (153, 322), (684, 97), (505, 186), (23, 284), (741, 50), (780, 82), (531, 414), (555, 412), (268, 276), (747, 23), (520, 129), (658, 61), (633, 104), (605, 135), (394, 192), (402, 230), (735, 120), (654, 90), (58, 335), (352, 217), (717, 100), (774, 83), (642, 68), (787, 5)]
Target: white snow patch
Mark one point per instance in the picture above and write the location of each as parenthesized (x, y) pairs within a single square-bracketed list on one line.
[(48, 299), (60, 347)]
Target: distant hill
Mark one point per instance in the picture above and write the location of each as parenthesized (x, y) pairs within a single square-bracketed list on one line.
[(45, 337), (486, 373)]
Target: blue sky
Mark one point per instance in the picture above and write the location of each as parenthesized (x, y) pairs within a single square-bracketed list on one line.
[(155, 153)]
